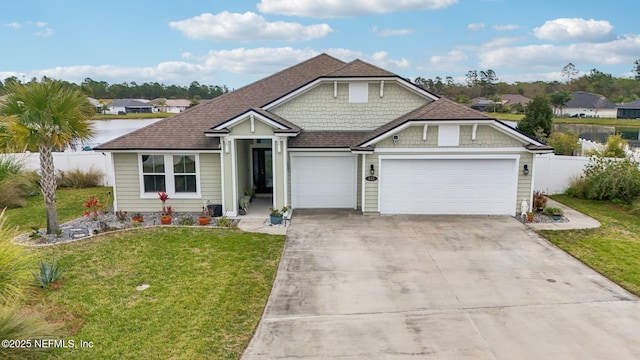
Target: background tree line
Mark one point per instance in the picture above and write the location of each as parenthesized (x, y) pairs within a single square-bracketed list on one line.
[(486, 83), (132, 90)]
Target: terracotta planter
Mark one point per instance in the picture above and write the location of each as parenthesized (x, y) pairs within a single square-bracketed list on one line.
[(165, 219), (137, 219), (530, 217), (204, 220)]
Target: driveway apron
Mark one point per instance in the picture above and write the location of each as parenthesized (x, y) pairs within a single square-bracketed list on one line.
[(437, 287)]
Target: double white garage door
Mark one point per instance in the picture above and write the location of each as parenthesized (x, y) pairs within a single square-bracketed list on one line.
[(409, 186)]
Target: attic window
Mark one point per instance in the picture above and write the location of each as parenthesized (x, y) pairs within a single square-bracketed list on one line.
[(358, 92)]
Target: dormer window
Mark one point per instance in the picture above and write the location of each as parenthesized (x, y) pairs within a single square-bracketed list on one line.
[(358, 92)]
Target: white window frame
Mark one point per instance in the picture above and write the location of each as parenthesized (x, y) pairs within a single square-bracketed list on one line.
[(169, 177)]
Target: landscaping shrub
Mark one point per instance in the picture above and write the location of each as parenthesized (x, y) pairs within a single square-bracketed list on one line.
[(49, 273), (79, 179), (14, 185), (14, 276), (577, 188), (609, 179), (563, 143)]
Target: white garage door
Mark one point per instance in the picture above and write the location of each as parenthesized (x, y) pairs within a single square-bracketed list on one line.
[(448, 186), (323, 181)]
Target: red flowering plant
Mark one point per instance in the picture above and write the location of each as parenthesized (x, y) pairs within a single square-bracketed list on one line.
[(92, 207), (166, 210)]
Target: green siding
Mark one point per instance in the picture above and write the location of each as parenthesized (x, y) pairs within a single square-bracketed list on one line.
[(243, 128), (317, 109), (128, 185)]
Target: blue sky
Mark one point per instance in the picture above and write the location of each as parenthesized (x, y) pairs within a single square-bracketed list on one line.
[(236, 42)]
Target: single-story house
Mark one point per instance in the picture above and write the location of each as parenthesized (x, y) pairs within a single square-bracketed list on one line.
[(170, 105), (328, 134), (586, 104), (486, 104), (629, 110), (128, 106)]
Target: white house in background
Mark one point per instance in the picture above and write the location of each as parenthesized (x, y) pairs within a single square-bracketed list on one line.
[(175, 106), (586, 104), (128, 106)]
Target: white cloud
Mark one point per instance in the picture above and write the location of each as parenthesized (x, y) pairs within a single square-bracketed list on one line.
[(501, 41), (506, 27), (475, 27), (13, 25), (41, 24), (619, 51), (574, 29), (333, 8), (452, 61), (248, 64), (246, 27), (391, 32), (46, 32)]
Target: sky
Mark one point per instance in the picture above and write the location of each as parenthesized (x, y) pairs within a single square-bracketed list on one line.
[(234, 43)]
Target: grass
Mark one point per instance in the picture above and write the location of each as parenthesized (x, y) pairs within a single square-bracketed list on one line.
[(207, 292), (575, 121), (613, 249), (208, 287), (70, 205)]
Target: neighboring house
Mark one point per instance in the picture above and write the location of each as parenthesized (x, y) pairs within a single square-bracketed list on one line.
[(629, 110), (128, 106), (586, 104), (170, 105), (328, 134), (485, 104)]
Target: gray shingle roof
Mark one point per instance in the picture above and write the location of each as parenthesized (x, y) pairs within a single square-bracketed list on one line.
[(186, 131), (587, 100)]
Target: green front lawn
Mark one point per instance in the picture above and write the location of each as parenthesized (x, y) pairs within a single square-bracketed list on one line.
[(207, 290), (613, 249), (207, 287)]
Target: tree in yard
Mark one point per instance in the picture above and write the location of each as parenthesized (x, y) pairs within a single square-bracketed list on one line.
[(564, 143), (49, 116), (569, 71), (538, 118), (636, 69), (559, 99)]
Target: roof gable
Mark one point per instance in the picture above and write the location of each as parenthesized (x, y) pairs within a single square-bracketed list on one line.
[(359, 68), (583, 99)]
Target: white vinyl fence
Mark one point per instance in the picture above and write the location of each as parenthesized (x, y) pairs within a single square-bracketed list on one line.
[(64, 161), (553, 173)]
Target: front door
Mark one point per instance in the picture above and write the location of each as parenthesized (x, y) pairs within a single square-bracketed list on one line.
[(262, 171)]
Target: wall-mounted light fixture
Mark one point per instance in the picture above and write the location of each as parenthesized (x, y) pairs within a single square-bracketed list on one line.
[(372, 170), (525, 170), (395, 139)]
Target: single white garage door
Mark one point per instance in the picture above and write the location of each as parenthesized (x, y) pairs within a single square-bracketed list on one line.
[(448, 186), (323, 181)]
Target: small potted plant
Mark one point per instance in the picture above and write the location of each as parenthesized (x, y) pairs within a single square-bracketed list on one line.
[(530, 216), (137, 217), (554, 213), (165, 213), (539, 201), (276, 215), (204, 217)]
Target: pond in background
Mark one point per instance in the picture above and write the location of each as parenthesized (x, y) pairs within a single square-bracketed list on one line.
[(599, 133), (107, 130)]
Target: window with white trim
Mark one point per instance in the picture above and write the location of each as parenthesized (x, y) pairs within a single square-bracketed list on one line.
[(175, 174), (153, 174)]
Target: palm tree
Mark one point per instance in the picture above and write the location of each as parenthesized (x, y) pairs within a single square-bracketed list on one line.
[(46, 115)]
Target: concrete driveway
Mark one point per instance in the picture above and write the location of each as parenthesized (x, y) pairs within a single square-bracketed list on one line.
[(437, 287)]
